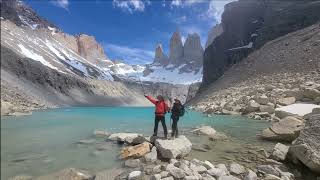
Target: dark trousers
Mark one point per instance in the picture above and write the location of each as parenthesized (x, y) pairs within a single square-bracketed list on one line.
[(175, 120), (156, 123)]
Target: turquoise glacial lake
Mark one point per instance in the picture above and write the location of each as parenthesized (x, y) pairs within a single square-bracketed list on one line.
[(46, 141)]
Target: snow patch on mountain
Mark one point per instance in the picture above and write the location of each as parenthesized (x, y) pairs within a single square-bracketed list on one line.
[(172, 75), (28, 53)]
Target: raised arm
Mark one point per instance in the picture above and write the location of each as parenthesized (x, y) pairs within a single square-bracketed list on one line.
[(151, 99)]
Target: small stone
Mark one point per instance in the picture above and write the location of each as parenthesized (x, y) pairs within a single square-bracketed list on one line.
[(207, 177), (136, 151), (175, 172), (204, 130), (253, 106), (271, 177), (151, 156), (164, 174), (155, 177), (208, 165), (268, 169), (198, 169), (134, 175), (216, 172), (132, 163), (251, 175), (263, 99), (229, 177), (191, 178), (157, 169), (168, 178), (236, 168), (223, 167)]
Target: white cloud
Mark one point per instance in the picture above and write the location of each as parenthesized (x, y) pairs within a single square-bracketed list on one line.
[(216, 9), (131, 5), (176, 3), (183, 3), (180, 19), (130, 55), (61, 3), (163, 3)]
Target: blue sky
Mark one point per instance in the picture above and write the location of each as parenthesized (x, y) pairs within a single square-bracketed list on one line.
[(129, 30)]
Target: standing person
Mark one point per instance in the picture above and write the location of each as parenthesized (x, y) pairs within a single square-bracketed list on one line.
[(160, 111), (176, 112)]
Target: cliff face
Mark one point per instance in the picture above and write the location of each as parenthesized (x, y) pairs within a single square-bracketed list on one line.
[(176, 49), (160, 57), (90, 49), (247, 25), (193, 51)]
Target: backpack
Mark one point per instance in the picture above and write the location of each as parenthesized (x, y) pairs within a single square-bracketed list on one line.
[(182, 111)]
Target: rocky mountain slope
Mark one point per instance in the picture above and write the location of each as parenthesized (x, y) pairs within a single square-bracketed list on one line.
[(247, 25), (288, 63)]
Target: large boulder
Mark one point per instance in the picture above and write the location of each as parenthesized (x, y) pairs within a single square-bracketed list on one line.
[(135, 175), (287, 101), (136, 151), (125, 137), (295, 109), (151, 156), (178, 147), (263, 99), (204, 130), (307, 146), (267, 108), (296, 92), (252, 106), (286, 129), (237, 169), (311, 93), (279, 152)]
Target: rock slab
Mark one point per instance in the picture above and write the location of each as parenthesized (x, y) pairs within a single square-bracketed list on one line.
[(178, 147)]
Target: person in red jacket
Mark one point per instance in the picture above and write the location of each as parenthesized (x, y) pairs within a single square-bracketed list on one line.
[(160, 111)]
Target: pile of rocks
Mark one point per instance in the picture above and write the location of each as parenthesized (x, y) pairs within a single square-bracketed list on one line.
[(166, 159), (260, 97), (196, 169)]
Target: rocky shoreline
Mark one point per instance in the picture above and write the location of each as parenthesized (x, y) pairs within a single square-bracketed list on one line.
[(157, 158)]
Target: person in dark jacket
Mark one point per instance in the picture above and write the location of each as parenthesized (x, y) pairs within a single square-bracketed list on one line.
[(160, 111), (175, 114)]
